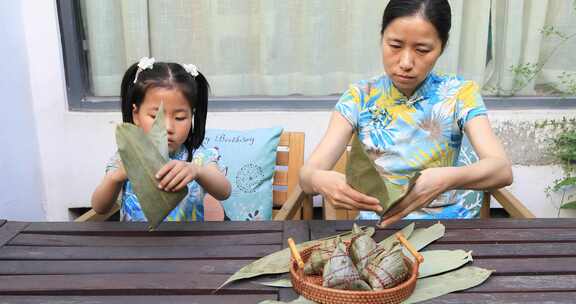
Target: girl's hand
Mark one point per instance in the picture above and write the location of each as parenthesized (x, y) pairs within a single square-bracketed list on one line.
[(176, 174), (430, 184), (333, 187)]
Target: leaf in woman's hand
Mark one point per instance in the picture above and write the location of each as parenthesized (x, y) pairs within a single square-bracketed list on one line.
[(142, 160), (363, 177)]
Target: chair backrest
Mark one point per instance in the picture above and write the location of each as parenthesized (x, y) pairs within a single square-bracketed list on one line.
[(289, 160)]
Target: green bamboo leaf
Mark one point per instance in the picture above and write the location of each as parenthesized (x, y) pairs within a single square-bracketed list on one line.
[(363, 176), (142, 160), (299, 300), (440, 261), (279, 261), (421, 237), (158, 134), (569, 205), (391, 241), (282, 283), (436, 286)]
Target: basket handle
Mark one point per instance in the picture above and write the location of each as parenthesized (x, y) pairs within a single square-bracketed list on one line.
[(295, 253), (410, 248)]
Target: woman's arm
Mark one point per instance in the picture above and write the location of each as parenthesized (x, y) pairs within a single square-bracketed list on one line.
[(493, 170), (316, 175), (107, 191)]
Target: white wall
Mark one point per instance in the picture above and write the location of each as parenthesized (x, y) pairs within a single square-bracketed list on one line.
[(75, 146), (20, 171)]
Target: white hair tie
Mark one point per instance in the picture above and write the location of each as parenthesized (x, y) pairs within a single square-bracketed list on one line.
[(191, 69), (143, 64)]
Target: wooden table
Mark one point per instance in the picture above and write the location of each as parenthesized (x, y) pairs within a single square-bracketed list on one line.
[(535, 260)]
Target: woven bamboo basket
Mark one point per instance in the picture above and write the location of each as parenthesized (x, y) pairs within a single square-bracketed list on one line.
[(310, 286)]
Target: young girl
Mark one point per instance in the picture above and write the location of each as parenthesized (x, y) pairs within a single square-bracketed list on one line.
[(183, 91)]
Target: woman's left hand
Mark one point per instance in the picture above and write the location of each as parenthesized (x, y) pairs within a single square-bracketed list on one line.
[(176, 174), (430, 184)]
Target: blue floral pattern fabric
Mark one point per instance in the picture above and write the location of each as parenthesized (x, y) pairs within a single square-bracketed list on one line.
[(405, 135), (191, 208)]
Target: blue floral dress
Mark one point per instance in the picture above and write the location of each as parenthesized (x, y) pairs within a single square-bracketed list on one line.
[(192, 206), (405, 135)]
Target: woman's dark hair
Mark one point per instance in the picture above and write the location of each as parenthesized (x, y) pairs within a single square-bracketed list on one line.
[(438, 12), (168, 75)]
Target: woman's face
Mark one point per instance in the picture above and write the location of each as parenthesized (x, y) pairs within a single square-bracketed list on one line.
[(410, 48)]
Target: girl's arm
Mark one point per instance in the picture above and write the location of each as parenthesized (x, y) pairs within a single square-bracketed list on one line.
[(214, 182), (107, 191), (492, 171), (316, 175)]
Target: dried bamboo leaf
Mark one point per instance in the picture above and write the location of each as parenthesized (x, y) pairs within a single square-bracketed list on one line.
[(299, 300), (421, 237), (158, 134), (281, 283), (436, 286), (363, 176), (279, 262), (440, 261), (142, 160), (388, 243)]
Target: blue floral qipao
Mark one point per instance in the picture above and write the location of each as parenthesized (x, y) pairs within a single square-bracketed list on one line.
[(404, 135), (190, 209)]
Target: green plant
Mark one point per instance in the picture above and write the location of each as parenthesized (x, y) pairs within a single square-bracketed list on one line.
[(563, 149)]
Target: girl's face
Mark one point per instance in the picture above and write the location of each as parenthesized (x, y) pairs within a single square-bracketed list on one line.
[(178, 114), (410, 48)]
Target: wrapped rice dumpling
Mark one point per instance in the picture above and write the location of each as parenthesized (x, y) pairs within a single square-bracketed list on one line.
[(386, 270), (361, 249), (340, 272), (318, 258)]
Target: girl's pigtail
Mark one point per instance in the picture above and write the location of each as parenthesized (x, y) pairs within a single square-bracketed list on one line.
[(126, 93), (196, 137)]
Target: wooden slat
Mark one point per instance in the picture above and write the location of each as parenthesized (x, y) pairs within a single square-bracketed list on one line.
[(126, 284), (88, 240), (136, 252), (458, 236), (214, 266), (527, 250), (149, 299), (485, 209), (529, 266), (2, 222), (512, 205), (10, 230), (279, 197), (545, 283), (282, 158), (91, 215), (292, 206), (503, 298), (280, 178), (284, 139), (296, 159), (139, 228)]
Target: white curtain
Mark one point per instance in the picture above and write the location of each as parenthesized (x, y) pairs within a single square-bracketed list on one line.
[(308, 47)]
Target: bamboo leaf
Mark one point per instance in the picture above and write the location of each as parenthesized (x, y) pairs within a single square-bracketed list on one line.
[(279, 261), (158, 134), (421, 237), (283, 283), (142, 160), (299, 300), (363, 176), (433, 287), (391, 241), (440, 261)]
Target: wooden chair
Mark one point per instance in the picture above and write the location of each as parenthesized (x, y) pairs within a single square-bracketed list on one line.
[(289, 160), (294, 203)]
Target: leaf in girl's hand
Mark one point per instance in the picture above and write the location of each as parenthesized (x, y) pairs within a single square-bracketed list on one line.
[(142, 160), (433, 287), (158, 134), (363, 177), (440, 261), (279, 261)]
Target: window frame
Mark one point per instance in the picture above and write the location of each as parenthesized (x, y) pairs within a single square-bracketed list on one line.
[(80, 98)]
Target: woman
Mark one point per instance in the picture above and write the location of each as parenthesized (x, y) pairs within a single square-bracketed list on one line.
[(411, 120)]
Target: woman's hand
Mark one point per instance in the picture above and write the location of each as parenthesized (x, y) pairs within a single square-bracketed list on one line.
[(333, 187), (430, 184), (176, 174)]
